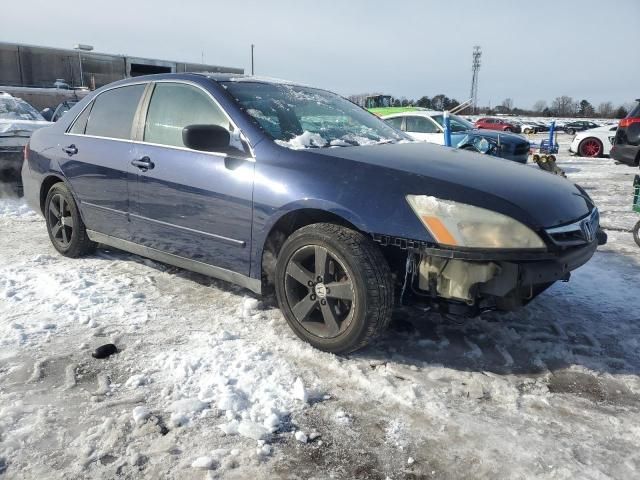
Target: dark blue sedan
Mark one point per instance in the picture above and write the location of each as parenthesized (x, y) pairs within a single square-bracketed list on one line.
[(295, 190)]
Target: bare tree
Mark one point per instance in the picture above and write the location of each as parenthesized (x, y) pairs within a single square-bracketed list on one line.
[(563, 106), (605, 109), (508, 103), (539, 106)]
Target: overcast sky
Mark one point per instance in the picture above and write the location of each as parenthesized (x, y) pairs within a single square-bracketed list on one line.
[(532, 50)]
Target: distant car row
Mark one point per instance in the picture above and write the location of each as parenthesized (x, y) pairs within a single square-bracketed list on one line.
[(428, 126), (591, 139)]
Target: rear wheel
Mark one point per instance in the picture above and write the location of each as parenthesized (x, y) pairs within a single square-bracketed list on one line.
[(334, 287), (508, 130), (636, 233), (571, 131), (590, 147), (64, 224)]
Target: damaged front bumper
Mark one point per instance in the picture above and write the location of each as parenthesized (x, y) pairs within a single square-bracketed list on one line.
[(468, 283)]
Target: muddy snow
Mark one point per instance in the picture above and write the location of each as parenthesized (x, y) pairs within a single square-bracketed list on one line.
[(209, 382)]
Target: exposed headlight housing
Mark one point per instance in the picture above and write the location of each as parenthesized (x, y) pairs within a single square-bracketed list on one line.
[(460, 225)]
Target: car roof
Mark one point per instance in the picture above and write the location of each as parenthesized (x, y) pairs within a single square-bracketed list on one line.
[(413, 113), (211, 76), (215, 76)]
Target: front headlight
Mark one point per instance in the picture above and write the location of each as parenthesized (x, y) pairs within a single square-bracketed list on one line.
[(460, 225)]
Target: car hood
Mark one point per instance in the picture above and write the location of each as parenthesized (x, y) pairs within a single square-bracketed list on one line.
[(20, 128), (528, 194)]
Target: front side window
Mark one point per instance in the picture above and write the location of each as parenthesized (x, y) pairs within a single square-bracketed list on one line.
[(303, 117), (113, 112), (421, 125), (395, 122), (174, 106)]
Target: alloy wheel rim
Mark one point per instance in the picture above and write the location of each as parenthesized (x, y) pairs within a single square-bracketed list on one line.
[(320, 292), (60, 220), (591, 148)]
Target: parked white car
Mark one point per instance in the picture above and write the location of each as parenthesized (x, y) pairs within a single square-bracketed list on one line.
[(526, 127), (595, 142)]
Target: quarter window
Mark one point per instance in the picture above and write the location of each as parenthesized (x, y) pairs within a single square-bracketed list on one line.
[(174, 106), (421, 125), (113, 112), (81, 122)]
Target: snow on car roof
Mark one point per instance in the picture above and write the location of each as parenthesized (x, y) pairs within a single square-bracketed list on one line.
[(237, 77)]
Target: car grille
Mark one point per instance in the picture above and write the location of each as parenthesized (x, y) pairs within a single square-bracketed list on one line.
[(577, 233)]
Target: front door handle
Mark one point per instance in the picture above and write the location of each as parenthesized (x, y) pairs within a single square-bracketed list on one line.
[(143, 164), (70, 150)]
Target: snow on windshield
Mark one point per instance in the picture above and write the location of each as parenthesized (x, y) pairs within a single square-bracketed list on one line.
[(300, 117), (12, 108)]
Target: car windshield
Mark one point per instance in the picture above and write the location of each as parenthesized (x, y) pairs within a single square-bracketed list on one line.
[(303, 117), (458, 124), (12, 108)]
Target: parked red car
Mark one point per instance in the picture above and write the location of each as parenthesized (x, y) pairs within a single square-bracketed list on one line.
[(497, 124)]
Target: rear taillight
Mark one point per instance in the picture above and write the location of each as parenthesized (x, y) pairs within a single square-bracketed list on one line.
[(625, 122), (25, 152)]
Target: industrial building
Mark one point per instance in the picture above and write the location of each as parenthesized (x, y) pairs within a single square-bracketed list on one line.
[(24, 68)]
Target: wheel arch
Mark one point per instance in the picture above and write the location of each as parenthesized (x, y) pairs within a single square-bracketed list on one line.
[(48, 182), (290, 221)]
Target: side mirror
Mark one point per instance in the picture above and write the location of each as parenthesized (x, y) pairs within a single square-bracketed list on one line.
[(206, 138)]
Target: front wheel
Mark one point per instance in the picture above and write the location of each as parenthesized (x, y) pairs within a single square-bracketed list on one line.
[(636, 233), (571, 131), (508, 130), (334, 287)]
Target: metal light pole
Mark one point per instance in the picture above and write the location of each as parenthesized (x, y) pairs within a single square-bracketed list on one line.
[(80, 47), (252, 46)]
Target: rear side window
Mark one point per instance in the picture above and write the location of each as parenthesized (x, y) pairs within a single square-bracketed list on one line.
[(113, 111), (635, 113), (395, 122), (421, 125), (174, 106)]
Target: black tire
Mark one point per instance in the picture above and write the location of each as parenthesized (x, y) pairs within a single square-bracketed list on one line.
[(571, 131), (508, 130), (367, 275), (67, 232), (636, 233)]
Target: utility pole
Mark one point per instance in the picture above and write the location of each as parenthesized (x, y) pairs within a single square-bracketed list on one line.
[(252, 46), (80, 47), (475, 67)]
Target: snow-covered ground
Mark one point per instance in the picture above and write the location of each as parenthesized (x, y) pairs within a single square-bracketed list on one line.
[(210, 382)]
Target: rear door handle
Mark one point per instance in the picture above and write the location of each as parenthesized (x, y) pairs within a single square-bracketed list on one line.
[(70, 150), (143, 164)]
